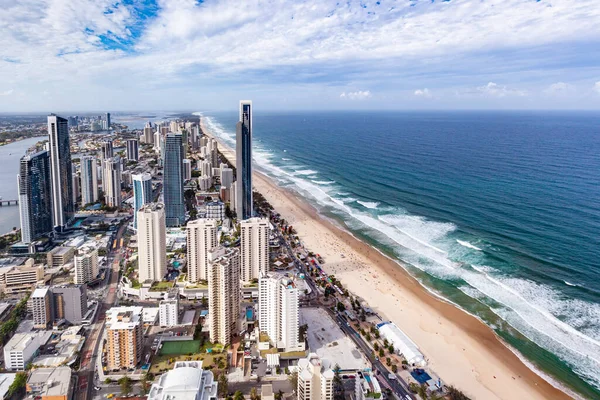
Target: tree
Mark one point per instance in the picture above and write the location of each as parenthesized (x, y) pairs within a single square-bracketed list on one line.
[(238, 395), (375, 347), (455, 394), (126, 385), (254, 394), (391, 348), (341, 307), (279, 395), (338, 385), (147, 382), (293, 378), (108, 381), (422, 391), (18, 384), (381, 352), (388, 361), (223, 385), (394, 368)]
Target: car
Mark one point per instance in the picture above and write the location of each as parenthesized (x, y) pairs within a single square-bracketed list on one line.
[(96, 388)]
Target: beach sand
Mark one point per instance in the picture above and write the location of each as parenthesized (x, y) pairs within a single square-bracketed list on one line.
[(461, 349)]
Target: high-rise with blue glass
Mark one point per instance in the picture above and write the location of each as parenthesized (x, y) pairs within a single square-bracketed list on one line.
[(142, 193), (173, 180), (35, 196), (61, 171), (243, 162)]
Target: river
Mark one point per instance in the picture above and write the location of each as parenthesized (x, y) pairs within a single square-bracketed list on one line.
[(9, 160)]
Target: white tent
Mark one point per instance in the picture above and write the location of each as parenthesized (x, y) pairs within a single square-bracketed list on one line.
[(402, 343)]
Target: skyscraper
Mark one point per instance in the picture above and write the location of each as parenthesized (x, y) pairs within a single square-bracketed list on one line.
[(142, 193), (202, 238), (89, 180), (173, 180), (35, 196), (152, 243), (243, 161), (107, 149), (112, 182), (132, 150), (223, 294), (61, 171), (254, 248), (70, 302), (148, 133), (76, 188), (107, 121), (41, 305), (187, 169)]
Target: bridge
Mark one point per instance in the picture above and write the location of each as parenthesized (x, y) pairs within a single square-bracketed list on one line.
[(9, 202)]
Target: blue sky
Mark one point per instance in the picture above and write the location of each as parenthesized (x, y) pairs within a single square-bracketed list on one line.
[(206, 55)]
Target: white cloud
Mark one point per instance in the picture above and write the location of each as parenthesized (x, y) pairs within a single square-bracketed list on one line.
[(492, 89), (423, 93), (558, 87), (597, 87), (319, 42), (358, 95), (7, 92)]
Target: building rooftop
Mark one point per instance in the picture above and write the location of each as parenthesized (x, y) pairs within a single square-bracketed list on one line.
[(5, 381), (61, 250), (187, 380), (123, 317), (50, 381), (40, 292), (20, 341)]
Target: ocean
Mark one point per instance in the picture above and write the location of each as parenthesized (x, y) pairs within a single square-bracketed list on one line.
[(497, 212)]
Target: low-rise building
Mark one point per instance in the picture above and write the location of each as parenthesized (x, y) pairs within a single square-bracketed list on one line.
[(315, 378), (366, 385), (22, 347), (187, 380), (21, 278), (5, 381), (59, 256), (50, 383), (168, 313)]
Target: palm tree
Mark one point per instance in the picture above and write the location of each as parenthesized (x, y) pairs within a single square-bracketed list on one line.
[(254, 394), (238, 396)]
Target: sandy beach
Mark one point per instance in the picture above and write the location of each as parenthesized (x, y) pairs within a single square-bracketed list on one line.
[(460, 349)]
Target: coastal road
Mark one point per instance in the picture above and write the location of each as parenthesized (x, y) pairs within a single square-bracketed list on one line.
[(398, 385), (92, 343)]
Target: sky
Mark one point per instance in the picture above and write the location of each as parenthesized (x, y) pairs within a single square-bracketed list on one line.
[(134, 55)]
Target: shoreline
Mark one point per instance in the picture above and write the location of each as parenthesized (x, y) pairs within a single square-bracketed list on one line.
[(459, 347)]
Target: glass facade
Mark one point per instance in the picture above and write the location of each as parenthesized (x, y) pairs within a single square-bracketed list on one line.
[(35, 196), (173, 180), (244, 161)]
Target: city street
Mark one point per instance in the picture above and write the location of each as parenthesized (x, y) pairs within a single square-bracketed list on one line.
[(90, 350)]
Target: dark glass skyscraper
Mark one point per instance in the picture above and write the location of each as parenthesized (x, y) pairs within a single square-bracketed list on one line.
[(173, 180), (61, 171), (35, 196), (243, 162)]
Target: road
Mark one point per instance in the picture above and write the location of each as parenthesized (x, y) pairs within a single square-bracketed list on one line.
[(89, 353), (398, 386)]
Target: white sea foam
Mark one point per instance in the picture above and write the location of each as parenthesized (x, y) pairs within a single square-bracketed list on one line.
[(286, 159), (467, 244), (570, 284), (306, 172), (368, 204), (566, 327), (323, 182)]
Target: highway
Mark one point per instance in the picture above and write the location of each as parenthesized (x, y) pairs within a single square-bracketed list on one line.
[(89, 353)]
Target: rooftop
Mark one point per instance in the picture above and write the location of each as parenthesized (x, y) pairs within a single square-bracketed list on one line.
[(123, 317), (40, 292), (20, 341), (50, 381)]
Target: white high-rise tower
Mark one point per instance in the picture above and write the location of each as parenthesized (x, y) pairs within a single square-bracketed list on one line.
[(224, 294), (202, 238), (152, 242), (254, 248)]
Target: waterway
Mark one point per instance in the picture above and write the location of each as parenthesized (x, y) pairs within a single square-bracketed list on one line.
[(10, 155)]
